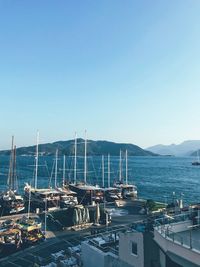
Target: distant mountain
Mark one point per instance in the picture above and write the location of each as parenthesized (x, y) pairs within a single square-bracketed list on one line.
[(93, 148), (186, 148)]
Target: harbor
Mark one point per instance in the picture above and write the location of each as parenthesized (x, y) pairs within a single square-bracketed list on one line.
[(66, 247), (44, 213), (99, 136), (58, 240), (42, 220)]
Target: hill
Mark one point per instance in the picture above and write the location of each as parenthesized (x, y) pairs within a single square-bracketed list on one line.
[(93, 148), (185, 148)]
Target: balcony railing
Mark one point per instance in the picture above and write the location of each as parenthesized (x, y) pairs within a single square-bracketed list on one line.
[(174, 219), (188, 238)]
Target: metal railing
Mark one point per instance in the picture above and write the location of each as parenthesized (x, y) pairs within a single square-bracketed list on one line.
[(187, 240), (106, 248), (190, 238), (173, 219)]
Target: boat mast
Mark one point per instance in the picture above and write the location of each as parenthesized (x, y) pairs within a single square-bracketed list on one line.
[(120, 166), (103, 171), (29, 201), (126, 166), (36, 160), (10, 173), (45, 218), (56, 167), (108, 170), (75, 157), (14, 180), (63, 170), (85, 159)]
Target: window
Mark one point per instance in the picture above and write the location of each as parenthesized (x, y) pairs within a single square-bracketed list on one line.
[(134, 248)]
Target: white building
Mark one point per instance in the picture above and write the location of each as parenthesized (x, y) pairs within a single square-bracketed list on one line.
[(127, 248)]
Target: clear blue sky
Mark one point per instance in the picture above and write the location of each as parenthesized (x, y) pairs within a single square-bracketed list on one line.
[(127, 71)]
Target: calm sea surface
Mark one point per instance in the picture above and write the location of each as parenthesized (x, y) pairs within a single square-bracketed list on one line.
[(155, 177)]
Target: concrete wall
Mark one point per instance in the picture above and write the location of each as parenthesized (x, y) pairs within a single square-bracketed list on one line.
[(162, 259), (91, 256), (111, 261), (94, 257), (151, 250), (125, 248)]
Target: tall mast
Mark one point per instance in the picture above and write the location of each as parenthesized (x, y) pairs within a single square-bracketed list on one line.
[(103, 171), (29, 201), (36, 160), (10, 173), (63, 170), (45, 218), (126, 167), (85, 159), (56, 167), (120, 166), (14, 180), (75, 157), (108, 170)]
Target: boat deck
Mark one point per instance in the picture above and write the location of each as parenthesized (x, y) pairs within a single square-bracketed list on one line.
[(17, 216)]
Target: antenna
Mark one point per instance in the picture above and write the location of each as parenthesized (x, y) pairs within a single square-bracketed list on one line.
[(36, 160), (85, 159), (75, 156)]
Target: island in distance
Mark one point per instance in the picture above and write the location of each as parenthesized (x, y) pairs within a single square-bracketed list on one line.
[(184, 149), (94, 148)]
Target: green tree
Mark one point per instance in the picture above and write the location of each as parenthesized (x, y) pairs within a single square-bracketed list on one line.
[(150, 204)]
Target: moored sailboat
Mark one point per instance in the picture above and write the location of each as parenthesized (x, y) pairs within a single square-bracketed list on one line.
[(11, 202), (197, 162), (10, 240), (39, 196), (86, 193), (111, 194), (31, 229), (127, 190), (68, 197), (52, 198)]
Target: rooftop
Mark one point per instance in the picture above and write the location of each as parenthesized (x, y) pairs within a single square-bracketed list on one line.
[(108, 241)]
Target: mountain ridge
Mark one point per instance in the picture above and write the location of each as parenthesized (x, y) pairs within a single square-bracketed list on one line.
[(186, 148), (99, 147)]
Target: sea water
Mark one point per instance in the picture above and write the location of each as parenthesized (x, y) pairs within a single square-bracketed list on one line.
[(155, 177)]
